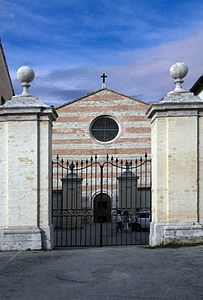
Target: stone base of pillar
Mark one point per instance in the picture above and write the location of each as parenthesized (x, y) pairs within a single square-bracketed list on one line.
[(47, 235), (26, 238), (20, 238), (163, 233)]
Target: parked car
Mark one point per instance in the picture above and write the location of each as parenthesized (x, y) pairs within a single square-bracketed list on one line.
[(143, 220)]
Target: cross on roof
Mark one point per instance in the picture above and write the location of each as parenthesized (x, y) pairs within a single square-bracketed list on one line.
[(104, 76)]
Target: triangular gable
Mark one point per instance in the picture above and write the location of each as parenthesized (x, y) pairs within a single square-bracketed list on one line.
[(98, 91)]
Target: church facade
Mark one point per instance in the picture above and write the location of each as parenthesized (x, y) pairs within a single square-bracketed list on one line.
[(102, 123), (100, 144)]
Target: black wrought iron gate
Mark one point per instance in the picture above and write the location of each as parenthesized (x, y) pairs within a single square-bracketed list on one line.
[(101, 202)]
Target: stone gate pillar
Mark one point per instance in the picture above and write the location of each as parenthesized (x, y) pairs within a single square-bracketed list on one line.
[(25, 170), (72, 198), (177, 165), (128, 191)]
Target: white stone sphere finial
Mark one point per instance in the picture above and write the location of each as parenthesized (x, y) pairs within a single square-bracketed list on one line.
[(25, 74), (178, 71)]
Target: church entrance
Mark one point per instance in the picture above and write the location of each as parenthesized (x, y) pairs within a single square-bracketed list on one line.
[(101, 202), (102, 208)]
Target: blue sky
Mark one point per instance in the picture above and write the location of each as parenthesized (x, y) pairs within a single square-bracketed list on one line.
[(71, 43)]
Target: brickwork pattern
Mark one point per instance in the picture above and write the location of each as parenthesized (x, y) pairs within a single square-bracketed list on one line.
[(71, 131)]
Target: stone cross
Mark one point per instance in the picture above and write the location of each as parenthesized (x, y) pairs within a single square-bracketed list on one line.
[(103, 76)]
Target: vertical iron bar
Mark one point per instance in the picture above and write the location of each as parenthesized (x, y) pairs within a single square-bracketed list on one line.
[(141, 182), (57, 200), (86, 171), (126, 200), (67, 208), (150, 186), (117, 195), (62, 217), (90, 221), (95, 209), (136, 202), (81, 204), (132, 201), (145, 193), (52, 191), (121, 196), (107, 203), (101, 228), (112, 207), (72, 209), (77, 200)]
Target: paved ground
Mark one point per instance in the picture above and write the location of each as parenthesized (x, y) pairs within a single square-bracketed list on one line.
[(127, 272)]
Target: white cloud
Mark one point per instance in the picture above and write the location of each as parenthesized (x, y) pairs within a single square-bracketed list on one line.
[(146, 73), (71, 67)]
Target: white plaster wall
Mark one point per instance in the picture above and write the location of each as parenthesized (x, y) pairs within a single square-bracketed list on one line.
[(45, 173), (19, 173), (159, 167), (3, 174), (174, 169), (22, 173), (201, 169), (182, 169)]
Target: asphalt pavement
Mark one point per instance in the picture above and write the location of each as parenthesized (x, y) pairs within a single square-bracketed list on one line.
[(122, 272)]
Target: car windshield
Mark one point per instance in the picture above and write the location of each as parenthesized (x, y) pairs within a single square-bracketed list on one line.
[(143, 215)]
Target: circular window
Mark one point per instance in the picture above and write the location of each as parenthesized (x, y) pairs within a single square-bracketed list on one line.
[(104, 129)]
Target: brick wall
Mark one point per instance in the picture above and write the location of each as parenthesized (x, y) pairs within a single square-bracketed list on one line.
[(71, 132)]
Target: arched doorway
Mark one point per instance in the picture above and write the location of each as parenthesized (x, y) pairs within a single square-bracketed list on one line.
[(102, 208)]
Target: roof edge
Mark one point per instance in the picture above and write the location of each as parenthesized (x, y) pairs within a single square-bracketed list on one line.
[(4, 58), (196, 86), (99, 90)]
